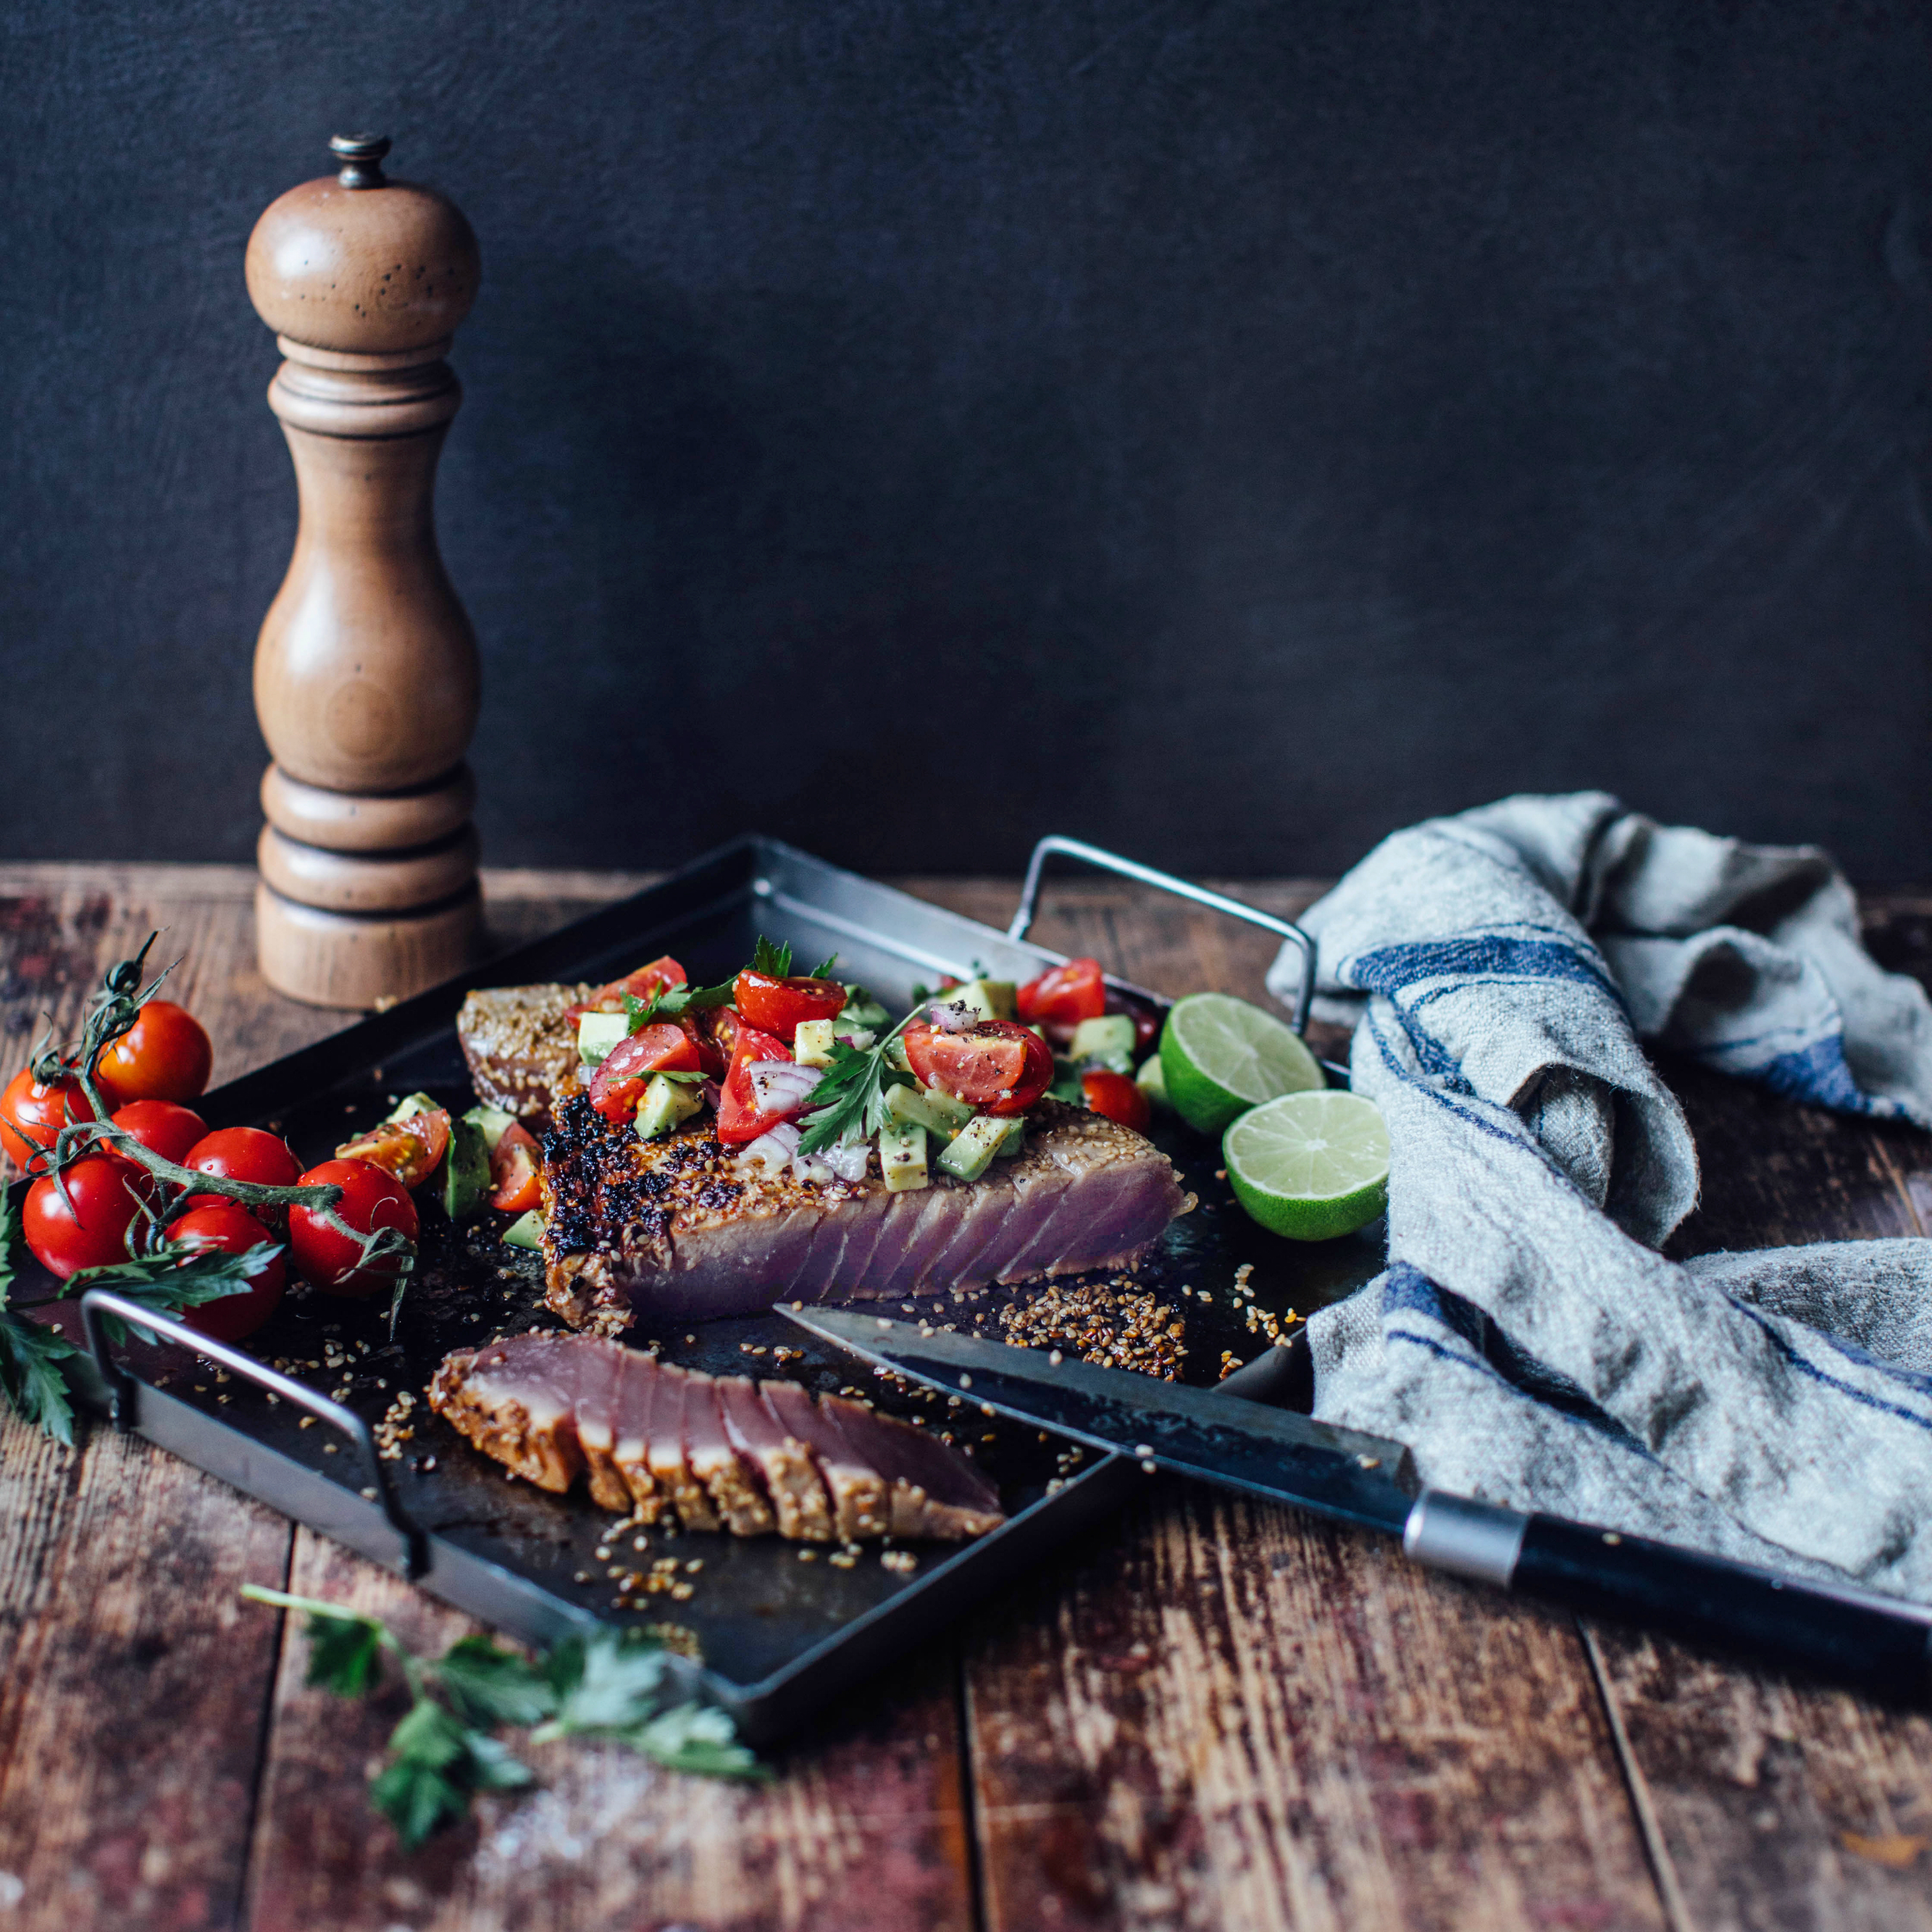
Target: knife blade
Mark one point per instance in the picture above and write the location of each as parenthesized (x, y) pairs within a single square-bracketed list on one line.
[(1878, 1643)]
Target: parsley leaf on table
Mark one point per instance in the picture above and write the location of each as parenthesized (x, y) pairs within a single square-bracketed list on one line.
[(345, 1653), (490, 1685)]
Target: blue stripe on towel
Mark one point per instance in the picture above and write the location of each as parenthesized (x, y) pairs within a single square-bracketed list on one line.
[(1390, 968)]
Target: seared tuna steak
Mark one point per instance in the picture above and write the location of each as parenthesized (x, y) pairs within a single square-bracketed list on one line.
[(665, 1440), (676, 1227), (521, 1050)]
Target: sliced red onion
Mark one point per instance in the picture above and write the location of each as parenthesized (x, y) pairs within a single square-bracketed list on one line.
[(781, 1086), (847, 1158), (951, 1015), (714, 1095), (857, 1038), (773, 1151)]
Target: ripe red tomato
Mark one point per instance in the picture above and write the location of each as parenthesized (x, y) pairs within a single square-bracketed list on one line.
[(739, 1122), (243, 1153), (173, 1132), (230, 1227), (619, 1084), (411, 1148), (640, 985), (1116, 1096), (778, 1007), (80, 1217), (31, 1115), (513, 1171), (165, 1055), (998, 1065), (372, 1197), (1063, 996)]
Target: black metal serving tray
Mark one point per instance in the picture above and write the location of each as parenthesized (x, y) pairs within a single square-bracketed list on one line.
[(294, 1419)]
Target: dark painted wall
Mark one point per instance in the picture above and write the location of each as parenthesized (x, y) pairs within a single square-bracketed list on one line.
[(1228, 429)]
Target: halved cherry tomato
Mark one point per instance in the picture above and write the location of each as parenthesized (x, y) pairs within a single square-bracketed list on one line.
[(619, 1084), (513, 1171), (1116, 1096), (740, 1121), (173, 1132), (712, 1059), (721, 1024), (640, 985), (165, 1055), (411, 1148), (79, 1218), (243, 1153), (372, 1197), (1063, 996), (31, 1115), (998, 1065), (230, 1227), (777, 1006)]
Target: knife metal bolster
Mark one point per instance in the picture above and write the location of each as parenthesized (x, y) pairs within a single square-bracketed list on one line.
[(1464, 1537)]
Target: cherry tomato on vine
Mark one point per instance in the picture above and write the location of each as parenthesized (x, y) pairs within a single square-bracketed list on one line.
[(31, 1115), (230, 1227), (640, 985), (243, 1153), (1116, 1096), (513, 1171), (779, 1006), (411, 1148), (372, 1197), (1063, 996), (79, 1218), (165, 1055), (740, 1121), (619, 1084), (173, 1132)]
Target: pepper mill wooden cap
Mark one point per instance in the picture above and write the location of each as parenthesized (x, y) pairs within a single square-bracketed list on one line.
[(361, 264)]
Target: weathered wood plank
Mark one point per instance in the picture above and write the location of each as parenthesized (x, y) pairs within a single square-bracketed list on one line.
[(132, 1693), (863, 1828)]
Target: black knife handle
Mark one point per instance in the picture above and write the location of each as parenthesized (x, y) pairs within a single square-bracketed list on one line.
[(1852, 1636)]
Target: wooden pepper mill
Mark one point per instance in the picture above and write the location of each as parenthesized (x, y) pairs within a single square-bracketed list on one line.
[(366, 675)]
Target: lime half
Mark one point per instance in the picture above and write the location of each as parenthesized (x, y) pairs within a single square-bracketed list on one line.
[(1220, 1057), (1310, 1165)]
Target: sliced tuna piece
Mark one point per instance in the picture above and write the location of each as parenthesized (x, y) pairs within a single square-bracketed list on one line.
[(596, 1418), (521, 1050), (784, 1463), (670, 1470), (935, 1492), (857, 1490), (675, 1228), (714, 1462), (516, 1399), (631, 1451)]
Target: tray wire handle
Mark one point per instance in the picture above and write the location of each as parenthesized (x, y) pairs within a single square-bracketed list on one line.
[(1166, 882), (97, 1304)]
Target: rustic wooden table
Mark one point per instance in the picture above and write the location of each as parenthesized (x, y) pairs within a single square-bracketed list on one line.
[(1218, 1715)]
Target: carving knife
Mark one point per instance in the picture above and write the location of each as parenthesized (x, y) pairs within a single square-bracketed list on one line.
[(1876, 1643)]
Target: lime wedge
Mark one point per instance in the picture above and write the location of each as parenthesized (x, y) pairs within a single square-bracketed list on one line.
[(1220, 1057), (1310, 1165)]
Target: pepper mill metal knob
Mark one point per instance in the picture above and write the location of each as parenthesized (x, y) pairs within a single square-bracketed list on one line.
[(367, 682)]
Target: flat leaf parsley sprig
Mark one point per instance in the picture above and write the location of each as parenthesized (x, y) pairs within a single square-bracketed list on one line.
[(626, 1688)]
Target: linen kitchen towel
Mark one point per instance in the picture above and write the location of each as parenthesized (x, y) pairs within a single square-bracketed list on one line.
[(1527, 1339)]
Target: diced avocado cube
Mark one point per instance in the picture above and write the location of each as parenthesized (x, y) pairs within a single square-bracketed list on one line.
[(1066, 1083), (857, 1038), (1015, 1140), (411, 1104), (492, 1122), (991, 999), (902, 1158), (812, 1045), (525, 1231), (914, 1107), (665, 1103), (1152, 1081), (1109, 1041), (465, 1170), (861, 1009), (971, 1150), (955, 1112), (597, 1033), (895, 1055)]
